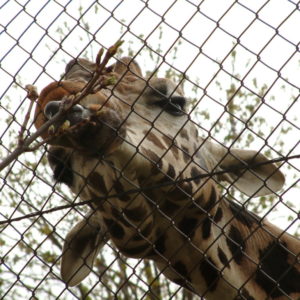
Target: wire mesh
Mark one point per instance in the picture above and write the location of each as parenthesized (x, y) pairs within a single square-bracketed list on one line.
[(238, 64)]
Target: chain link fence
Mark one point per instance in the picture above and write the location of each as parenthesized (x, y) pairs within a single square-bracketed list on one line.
[(238, 64)]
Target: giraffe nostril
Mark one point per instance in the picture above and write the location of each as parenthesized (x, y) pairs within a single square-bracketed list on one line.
[(51, 109)]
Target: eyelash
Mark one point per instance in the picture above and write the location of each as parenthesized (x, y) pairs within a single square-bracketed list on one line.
[(173, 105)]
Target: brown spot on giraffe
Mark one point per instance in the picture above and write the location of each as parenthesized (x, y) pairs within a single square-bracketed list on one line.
[(210, 273), (97, 182), (154, 139), (184, 134), (236, 244), (223, 258), (196, 173), (219, 214)]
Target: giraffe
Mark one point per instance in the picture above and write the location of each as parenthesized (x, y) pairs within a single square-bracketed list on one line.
[(131, 147)]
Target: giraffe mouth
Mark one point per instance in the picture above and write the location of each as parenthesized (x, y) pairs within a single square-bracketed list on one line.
[(75, 114)]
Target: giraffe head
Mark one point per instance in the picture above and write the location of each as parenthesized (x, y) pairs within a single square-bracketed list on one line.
[(141, 127), (135, 110)]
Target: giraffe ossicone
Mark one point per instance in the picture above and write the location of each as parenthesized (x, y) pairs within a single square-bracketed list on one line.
[(136, 134)]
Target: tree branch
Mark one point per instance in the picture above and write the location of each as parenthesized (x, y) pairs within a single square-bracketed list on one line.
[(69, 101)]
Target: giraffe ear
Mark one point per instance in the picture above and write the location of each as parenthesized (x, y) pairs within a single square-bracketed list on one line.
[(82, 244), (258, 179)]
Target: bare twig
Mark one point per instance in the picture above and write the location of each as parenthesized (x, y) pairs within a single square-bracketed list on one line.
[(24, 144), (33, 95)]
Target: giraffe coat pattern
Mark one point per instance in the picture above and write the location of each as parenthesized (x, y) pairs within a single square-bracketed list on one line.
[(136, 134)]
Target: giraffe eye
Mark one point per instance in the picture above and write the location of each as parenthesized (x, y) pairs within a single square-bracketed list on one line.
[(174, 105)]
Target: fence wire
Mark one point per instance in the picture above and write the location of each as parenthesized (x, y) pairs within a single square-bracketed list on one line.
[(237, 63)]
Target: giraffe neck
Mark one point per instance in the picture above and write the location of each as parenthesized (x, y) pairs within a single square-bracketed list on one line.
[(208, 244)]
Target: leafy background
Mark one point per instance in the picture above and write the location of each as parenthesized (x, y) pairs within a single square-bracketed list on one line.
[(238, 63)]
